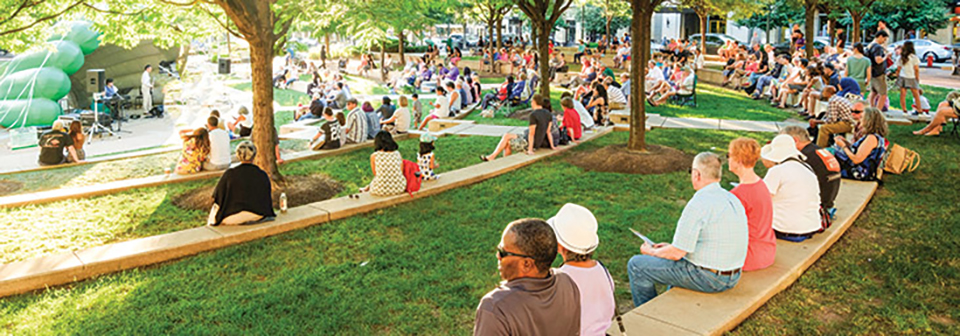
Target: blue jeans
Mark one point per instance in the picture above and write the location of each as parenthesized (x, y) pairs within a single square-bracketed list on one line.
[(753, 78), (762, 84), (646, 271)]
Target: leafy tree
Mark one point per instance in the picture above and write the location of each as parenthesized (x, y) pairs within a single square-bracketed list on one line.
[(543, 15), (639, 55), (928, 15), (706, 8), (594, 21), (492, 12), (611, 9), (857, 9)]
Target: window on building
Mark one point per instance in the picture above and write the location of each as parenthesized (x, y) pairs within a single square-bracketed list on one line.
[(718, 25)]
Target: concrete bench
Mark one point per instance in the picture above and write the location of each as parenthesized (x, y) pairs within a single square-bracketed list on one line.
[(437, 125), (684, 312), (623, 116), (304, 134)]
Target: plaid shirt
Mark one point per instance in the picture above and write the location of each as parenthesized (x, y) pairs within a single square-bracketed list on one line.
[(838, 109)]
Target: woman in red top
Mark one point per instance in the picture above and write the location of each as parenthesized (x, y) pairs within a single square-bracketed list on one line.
[(755, 197), (571, 120)]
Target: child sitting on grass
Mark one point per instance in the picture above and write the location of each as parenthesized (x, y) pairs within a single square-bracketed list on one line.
[(425, 158)]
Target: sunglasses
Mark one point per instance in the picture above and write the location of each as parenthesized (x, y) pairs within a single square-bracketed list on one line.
[(856, 111), (501, 253)]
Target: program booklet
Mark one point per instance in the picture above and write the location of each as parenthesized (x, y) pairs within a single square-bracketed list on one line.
[(645, 239)]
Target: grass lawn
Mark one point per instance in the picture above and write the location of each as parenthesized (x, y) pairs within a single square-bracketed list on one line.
[(407, 269), (721, 103), (143, 212), (934, 94)]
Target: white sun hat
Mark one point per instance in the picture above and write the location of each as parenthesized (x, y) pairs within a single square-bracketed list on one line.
[(575, 228), (781, 148)]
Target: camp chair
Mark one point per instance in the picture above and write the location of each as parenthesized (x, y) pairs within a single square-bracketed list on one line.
[(691, 98)]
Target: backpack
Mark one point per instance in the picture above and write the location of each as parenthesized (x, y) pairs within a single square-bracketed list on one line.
[(410, 171)]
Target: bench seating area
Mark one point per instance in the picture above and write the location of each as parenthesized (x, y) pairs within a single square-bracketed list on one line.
[(65, 268), (685, 312)]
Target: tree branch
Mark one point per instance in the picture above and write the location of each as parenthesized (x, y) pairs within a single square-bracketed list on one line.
[(221, 23), (22, 6), (43, 19), (107, 11)]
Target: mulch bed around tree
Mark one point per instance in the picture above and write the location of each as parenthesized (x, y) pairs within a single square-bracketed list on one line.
[(617, 159), (9, 187), (523, 114), (300, 190)]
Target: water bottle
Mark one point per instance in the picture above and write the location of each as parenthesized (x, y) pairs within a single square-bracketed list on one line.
[(283, 202)]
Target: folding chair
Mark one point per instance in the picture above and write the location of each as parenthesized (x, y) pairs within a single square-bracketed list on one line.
[(683, 100)]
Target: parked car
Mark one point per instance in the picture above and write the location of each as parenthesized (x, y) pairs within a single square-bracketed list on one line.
[(714, 41), (925, 48)]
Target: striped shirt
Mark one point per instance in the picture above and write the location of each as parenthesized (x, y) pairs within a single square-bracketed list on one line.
[(713, 229)]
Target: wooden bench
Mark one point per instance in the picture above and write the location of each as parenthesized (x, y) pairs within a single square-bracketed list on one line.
[(684, 312)]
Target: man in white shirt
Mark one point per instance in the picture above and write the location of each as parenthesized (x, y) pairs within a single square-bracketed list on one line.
[(146, 85), (794, 188), (576, 231), (219, 157), (616, 96), (654, 76)]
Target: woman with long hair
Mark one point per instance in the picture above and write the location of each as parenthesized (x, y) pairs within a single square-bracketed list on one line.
[(861, 159), (598, 103), (908, 75), (196, 148), (948, 108), (76, 134), (387, 166)]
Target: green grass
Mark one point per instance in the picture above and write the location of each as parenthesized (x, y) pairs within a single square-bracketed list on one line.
[(76, 224), (419, 267), (492, 80), (934, 94), (715, 102)]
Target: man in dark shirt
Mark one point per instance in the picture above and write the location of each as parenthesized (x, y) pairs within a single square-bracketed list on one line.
[(829, 180), (52, 144), (878, 68), (538, 135), (330, 130), (386, 109), (532, 299)]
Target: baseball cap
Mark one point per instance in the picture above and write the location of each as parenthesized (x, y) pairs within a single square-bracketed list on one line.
[(575, 228)]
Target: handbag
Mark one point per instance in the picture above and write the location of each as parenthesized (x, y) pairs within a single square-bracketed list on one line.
[(899, 160)]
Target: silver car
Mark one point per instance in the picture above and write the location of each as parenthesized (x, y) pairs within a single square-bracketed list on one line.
[(926, 48)]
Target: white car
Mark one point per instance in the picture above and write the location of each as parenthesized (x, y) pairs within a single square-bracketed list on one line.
[(926, 48)]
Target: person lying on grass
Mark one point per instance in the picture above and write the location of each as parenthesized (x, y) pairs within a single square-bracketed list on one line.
[(709, 245), (532, 299), (538, 135), (242, 195)]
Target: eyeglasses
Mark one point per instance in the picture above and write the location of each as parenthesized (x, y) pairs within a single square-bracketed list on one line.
[(501, 253), (856, 111)]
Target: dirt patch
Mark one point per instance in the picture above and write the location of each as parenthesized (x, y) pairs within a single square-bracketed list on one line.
[(9, 187), (617, 159), (944, 320), (300, 190)]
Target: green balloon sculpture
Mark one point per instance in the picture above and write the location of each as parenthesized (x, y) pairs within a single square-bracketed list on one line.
[(33, 82)]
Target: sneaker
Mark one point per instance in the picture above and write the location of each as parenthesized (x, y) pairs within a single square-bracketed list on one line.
[(832, 212)]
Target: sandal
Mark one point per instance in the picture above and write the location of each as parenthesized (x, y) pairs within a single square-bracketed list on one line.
[(484, 158)]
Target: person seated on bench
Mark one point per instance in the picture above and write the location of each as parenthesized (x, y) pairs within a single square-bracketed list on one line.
[(824, 165), (244, 122), (743, 155), (52, 144), (599, 104), (373, 119), (614, 93), (556, 65), (330, 131), (585, 119), (829, 77), (219, 158), (242, 195), (441, 108), (502, 93), (685, 87), (338, 98), (533, 299), (709, 245), (861, 159), (538, 135), (314, 111), (654, 76), (838, 118), (587, 75), (625, 87), (387, 166), (571, 120), (576, 230), (947, 109), (356, 125), (399, 122), (386, 109), (196, 149), (794, 188)]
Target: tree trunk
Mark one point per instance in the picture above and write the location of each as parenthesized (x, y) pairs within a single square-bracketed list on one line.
[(261, 65), (182, 59), (403, 60), (229, 50), (855, 30), (703, 33), (383, 62), (639, 55), (832, 31), (500, 34), (543, 46), (811, 12), (609, 18)]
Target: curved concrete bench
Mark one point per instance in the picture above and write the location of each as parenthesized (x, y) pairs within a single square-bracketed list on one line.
[(684, 312), (54, 270), (151, 181)]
